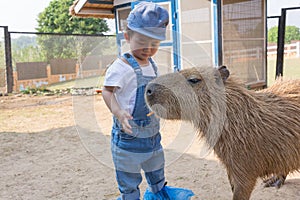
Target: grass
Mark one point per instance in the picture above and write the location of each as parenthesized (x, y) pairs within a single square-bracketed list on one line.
[(95, 81), (291, 69)]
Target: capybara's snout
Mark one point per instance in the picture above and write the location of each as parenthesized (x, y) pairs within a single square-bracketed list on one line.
[(151, 89), (154, 93)]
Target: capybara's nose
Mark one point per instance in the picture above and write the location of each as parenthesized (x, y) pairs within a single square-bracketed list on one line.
[(150, 89)]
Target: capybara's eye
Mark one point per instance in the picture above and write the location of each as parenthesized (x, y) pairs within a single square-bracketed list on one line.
[(194, 80)]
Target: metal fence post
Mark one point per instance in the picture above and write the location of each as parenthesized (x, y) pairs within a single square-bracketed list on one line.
[(280, 43), (8, 61)]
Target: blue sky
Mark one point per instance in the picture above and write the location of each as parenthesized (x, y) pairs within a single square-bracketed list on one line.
[(21, 15)]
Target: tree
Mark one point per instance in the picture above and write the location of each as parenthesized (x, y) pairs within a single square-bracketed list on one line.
[(291, 33), (25, 49), (56, 19)]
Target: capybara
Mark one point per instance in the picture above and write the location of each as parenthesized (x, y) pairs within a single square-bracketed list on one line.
[(254, 134), (288, 88)]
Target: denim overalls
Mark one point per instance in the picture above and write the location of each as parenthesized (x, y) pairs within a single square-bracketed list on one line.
[(141, 149)]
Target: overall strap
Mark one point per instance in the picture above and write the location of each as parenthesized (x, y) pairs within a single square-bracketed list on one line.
[(140, 109), (153, 65), (133, 63)]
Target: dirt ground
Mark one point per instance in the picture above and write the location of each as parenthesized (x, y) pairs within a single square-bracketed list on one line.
[(58, 148)]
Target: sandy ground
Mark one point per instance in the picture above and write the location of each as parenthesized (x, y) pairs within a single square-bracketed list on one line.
[(58, 148)]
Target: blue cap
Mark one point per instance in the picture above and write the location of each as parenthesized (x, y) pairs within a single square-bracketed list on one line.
[(149, 19)]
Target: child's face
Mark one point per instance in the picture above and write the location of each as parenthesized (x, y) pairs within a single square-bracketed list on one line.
[(142, 47)]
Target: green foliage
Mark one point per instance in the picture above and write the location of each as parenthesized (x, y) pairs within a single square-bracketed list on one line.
[(56, 19), (291, 33), (24, 41), (273, 34), (39, 90), (25, 49), (53, 46)]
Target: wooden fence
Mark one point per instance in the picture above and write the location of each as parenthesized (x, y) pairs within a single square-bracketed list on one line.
[(290, 50)]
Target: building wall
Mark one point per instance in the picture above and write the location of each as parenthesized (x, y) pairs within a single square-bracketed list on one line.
[(243, 37)]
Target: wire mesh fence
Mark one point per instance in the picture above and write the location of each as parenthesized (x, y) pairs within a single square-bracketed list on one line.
[(44, 60), (244, 40), (291, 58)]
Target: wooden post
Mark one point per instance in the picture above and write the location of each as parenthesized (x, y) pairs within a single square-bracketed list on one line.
[(49, 75), (298, 49)]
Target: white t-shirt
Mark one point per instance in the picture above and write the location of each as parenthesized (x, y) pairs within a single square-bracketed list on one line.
[(122, 76)]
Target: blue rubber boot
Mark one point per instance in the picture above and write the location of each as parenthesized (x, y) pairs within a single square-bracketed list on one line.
[(169, 193)]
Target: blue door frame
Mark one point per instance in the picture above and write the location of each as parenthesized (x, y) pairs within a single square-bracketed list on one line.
[(217, 26)]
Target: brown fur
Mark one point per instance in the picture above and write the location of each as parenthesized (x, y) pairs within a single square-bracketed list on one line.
[(289, 89), (254, 134)]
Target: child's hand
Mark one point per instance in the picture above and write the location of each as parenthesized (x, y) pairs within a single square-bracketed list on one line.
[(123, 117)]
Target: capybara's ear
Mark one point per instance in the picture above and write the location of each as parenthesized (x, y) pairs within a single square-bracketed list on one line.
[(224, 72)]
